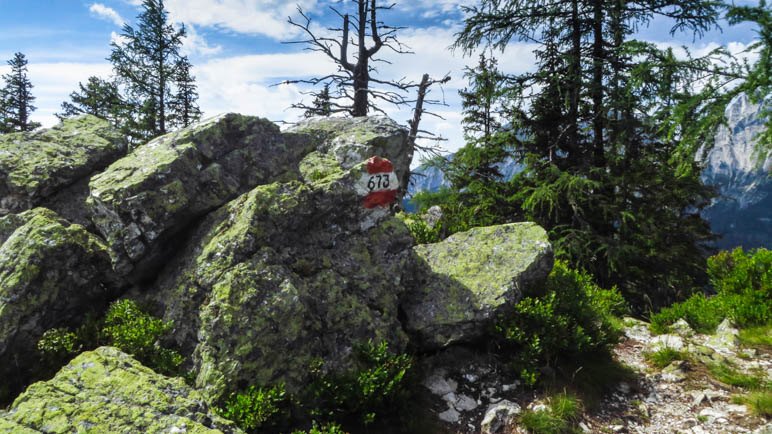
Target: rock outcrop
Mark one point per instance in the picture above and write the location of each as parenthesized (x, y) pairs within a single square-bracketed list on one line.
[(36, 166), (465, 280), (143, 199), (52, 274), (107, 391)]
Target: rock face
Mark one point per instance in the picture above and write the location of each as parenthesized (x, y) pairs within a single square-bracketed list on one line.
[(35, 166), (289, 273), (465, 280), (143, 199), (52, 273), (108, 391)]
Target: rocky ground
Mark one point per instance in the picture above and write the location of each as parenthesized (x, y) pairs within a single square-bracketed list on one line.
[(477, 396)]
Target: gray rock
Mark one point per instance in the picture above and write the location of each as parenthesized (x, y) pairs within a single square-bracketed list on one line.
[(682, 328), (725, 338), (143, 199), (36, 166), (666, 341), (674, 372), (470, 277), (499, 416), (450, 415)]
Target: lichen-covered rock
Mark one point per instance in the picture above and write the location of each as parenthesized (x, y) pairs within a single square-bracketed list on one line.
[(52, 274), (286, 274), (465, 280), (107, 391), (353, 140), (37, 165), (143, 199)]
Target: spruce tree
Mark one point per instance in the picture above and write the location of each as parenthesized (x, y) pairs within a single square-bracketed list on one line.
[(97, 97), (146, 62), (602, 175), (321, 105), (183, 106), (16, 98)]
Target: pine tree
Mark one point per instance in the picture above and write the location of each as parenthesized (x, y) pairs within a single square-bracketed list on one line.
[(146, 62), (321, 106), (603, 176), (97, 97), (16, 98), (183, 106)]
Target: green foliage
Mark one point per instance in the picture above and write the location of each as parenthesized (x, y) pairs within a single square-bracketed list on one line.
[(760, 403), (132, 330), (560, 417), (124, 326), (665, 356), (728, 374), (573, 318), (331, 428), (370, 389), (100, 98), (757, 336), (16, 98), (743, 282), (421, 231), (257, 408)]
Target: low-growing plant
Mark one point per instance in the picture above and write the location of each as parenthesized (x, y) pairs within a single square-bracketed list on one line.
[(124, 326), (560, 417), (760, 403), (330, 428), (665, 356), (370, 389), (573, 317), (728, 374), (421, 231), (743, 285), (257, 408), (760, 337)]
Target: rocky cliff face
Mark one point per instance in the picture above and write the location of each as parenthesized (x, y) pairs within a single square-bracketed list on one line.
[(741, 214), (268, 250)]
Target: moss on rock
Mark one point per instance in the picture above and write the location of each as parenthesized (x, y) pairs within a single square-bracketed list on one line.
[(463, 281), (52, 274), (36, 165), (106, 390)]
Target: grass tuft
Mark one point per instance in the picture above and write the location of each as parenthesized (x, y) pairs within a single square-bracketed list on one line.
[(665, 356), (760, 403)]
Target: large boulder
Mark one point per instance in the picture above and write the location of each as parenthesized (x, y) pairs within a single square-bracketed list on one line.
[(107, 391), (145, 198), (464, 281), (52, 274), (36, 166), (289, 273)]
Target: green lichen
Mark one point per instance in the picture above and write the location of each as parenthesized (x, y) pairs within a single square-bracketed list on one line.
[(108, 391), (39, 163), (320, 168)]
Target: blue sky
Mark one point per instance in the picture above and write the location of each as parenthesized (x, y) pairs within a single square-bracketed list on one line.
[(236, 49)]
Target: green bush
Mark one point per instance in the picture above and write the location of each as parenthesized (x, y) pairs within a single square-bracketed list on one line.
[(124, 326), (743, 285), (257, 408), (573, 317), (331, 428), (421, 231), (370, 389)]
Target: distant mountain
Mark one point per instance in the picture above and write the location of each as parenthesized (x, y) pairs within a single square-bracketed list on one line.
[(743, 212)]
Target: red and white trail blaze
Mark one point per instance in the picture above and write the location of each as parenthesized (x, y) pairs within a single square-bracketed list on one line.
[(380, 184)]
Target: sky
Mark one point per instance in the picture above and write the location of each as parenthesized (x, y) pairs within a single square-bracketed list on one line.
[(239, 51)]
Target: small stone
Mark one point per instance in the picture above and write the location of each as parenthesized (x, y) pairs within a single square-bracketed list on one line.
[(682, 328), (539, 407), (617, 428), (465, 403), (734, 408), (439, 385), (450, 415), (712, 414), (583, 426), (508, 387), (674, 372), (766, 429), (472, 378), (623, 388), (499, 416)]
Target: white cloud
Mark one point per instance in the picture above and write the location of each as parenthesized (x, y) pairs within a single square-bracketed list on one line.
[(106, 13), (194, 43), (257, 17)]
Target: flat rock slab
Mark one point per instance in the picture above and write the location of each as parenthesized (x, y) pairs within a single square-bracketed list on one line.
[(143, 199), (107, 391), (39, 164), (466, 279)]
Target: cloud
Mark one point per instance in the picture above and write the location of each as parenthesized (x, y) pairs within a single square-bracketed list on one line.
[(106, 13), (194, 43), (256, 17)]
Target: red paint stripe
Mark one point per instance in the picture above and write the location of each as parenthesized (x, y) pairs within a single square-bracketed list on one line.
[(380, 198), (379, 165)]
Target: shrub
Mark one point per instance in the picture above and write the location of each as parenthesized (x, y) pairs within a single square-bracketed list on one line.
[(124, 326), (331, 428), (257, 408), (421, 231), (573, 317), (371, 388), (743, 284)]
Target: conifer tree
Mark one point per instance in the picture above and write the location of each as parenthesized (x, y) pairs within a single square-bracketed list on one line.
[(183, 106), (146, 62), (97, 97), (321, 105), (601, 174), (16, 98)]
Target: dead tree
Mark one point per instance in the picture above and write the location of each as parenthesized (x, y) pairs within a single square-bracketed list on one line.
[(358, 91)]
